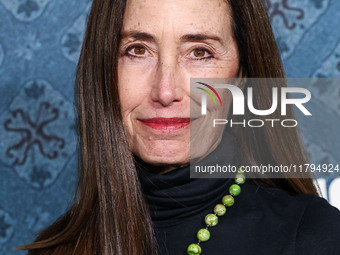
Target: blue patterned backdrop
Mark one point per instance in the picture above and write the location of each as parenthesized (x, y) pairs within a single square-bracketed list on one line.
[(40, 42)]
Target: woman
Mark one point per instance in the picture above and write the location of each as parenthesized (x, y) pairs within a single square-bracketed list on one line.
[(132, 95)]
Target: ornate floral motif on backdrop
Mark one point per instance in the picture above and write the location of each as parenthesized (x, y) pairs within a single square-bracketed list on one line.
[(35, 130)]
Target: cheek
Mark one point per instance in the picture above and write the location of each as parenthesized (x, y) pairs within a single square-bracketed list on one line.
[(132, 84)]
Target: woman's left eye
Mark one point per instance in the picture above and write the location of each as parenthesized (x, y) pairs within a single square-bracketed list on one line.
[(201, 54)]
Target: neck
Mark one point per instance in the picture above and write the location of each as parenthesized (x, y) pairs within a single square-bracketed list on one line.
[(173, 196)]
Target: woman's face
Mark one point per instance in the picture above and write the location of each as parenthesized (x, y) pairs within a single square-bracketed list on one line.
[(164, 44)]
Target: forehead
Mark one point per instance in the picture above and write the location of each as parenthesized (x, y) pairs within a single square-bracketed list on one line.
[(178, 17)]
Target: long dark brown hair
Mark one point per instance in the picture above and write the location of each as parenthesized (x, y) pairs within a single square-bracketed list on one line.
[(109, 214)]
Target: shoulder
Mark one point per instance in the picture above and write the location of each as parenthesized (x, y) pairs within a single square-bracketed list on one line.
[(319, 227), (313, 223)]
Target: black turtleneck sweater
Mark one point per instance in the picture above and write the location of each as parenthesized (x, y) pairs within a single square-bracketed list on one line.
[(262, 221)]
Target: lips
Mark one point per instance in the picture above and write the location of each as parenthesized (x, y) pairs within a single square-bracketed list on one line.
[(166, 123)]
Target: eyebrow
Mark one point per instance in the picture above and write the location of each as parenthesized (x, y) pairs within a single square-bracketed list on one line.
[(185, 38)]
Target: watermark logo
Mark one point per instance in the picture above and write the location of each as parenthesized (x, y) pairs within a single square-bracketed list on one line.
[(239, 100), (280, 98)]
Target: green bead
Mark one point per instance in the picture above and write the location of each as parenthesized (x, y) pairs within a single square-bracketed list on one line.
[(228, 200), (194, 249), (203, 234), (234, 190), (211, 220), (220, 210), (240, 178)]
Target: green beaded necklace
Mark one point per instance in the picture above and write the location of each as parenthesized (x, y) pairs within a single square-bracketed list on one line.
[(211, 219)]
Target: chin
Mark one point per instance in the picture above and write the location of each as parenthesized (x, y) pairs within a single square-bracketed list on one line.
[(162, 152), (165, 156)]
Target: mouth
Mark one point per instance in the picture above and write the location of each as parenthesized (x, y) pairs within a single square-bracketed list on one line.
[(166, 123)]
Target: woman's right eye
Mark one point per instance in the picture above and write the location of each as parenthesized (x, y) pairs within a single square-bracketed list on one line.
[(139, 50), (135, 51)]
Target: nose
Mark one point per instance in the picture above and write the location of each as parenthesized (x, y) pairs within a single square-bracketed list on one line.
[(166, 90)]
